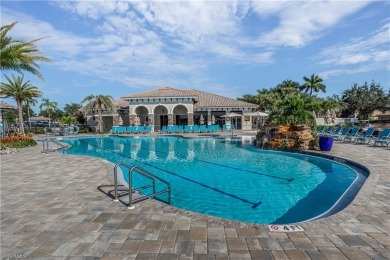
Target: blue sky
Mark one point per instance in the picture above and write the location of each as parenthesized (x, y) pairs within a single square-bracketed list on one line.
[(230, 48)]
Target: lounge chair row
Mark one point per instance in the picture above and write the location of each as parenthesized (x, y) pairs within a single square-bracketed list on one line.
[(131, 129), (354, 135), (193, 129)]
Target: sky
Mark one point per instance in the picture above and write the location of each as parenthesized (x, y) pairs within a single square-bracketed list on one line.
[(229, 48)]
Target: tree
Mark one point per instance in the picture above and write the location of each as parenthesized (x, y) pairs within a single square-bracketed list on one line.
[(286, 88), (75, 110), (312, 84), (68, 120), (26, 107), (365, 99), (20, 91), (98, 103), (18, 55), (72, 109), (292, 110), (49, 107)]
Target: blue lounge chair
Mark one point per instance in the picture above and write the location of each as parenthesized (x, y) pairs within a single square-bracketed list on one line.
[(139, 129), (203, 128), (327, 132), (351, 136), (320, 130), (163, 129), (196, 129), (187, 129), (224, 128), (172, 129), (130, 129), (337, 130), (121, 129), (114, 130), (232, 128), (148, 129), (180, 129), (365, 139), (383, 139), (341, 135)]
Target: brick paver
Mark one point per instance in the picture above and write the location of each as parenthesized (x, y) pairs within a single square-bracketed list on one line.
[(51, 209)]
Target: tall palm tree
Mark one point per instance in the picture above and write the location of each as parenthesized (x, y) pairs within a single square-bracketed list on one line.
[(48, 106), (19, 55), (98, 103), (312, 84), (20, 91)]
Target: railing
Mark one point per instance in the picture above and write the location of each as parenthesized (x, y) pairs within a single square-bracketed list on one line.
[(146, 174), (45, 148)]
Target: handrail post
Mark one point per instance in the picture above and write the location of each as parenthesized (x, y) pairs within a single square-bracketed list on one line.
[(131, 189), (116, 183)]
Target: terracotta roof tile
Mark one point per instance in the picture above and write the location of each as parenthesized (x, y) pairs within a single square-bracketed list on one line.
[(212, 100), (121, 103), (160, 92), (204, 99), (5, 105)]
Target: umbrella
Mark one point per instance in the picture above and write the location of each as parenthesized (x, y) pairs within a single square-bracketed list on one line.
[(213, 120), (201, 119), (327, 117), (232, 114), (258, 114), (334, 116)]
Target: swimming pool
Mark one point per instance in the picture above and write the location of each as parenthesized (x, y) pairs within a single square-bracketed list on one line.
[(232, 179)]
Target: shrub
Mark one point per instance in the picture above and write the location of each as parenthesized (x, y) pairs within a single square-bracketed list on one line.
[(17, 141)]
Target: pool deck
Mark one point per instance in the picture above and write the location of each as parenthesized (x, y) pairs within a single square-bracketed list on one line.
[(51, 209)]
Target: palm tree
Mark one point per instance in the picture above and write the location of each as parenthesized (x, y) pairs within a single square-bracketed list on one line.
[(18, 55), (98, 103), (49, 106), (28, 102), (292, 110), (20, 91), (68, 120), (312, 84)]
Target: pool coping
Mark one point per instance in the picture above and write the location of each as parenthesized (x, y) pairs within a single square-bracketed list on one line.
[(354, 208)]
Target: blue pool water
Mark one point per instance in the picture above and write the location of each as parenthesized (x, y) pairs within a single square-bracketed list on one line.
[(230, 179)]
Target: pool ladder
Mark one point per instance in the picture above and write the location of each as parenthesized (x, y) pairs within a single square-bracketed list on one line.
[(45, 146), (141, 171)]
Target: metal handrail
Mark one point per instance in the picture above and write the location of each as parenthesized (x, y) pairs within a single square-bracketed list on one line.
[(147, 175), (46, 150)]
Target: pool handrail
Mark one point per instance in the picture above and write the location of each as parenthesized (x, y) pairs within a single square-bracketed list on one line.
[(146, 174)]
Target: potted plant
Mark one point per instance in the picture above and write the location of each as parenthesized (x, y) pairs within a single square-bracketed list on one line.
[(326, 142)]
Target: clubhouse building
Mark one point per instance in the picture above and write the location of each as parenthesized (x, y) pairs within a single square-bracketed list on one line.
[(167, 106)]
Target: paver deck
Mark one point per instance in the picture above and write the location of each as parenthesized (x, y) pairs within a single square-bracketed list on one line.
[(51, 209)]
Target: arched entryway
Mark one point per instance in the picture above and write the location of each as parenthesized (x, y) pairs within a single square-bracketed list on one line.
[(180, 115), (142, 112), (160, 117)]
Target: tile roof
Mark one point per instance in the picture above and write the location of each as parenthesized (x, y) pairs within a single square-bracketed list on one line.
[(204, 99), (121, 103), (160, 92), (4, 105), (212, 100)]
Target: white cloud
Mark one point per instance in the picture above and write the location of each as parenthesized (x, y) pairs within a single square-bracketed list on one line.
[(176, 41), (302, 22), (358, 55)]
